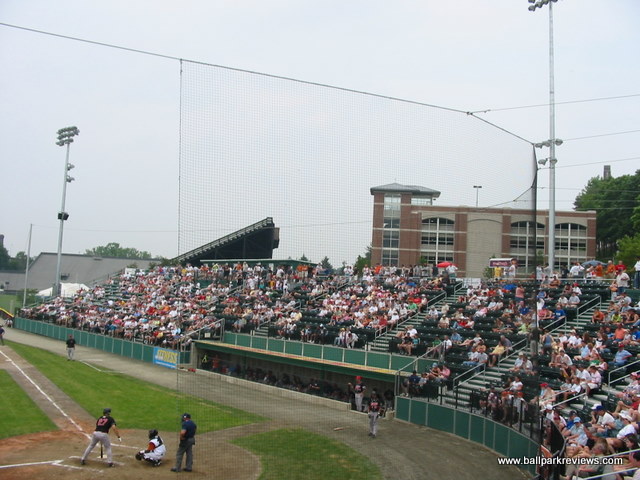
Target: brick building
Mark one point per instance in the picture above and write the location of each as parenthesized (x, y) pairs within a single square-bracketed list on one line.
[(408, 227)]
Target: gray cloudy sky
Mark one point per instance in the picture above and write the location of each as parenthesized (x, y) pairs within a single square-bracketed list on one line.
[(464, 54)]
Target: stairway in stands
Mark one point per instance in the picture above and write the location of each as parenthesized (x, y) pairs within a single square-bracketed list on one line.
[(496, 375), (381, 343)]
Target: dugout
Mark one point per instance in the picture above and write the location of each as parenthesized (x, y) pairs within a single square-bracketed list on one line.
[(237, 359)]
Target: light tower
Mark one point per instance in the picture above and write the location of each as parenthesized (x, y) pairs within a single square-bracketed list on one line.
[(65, 137)]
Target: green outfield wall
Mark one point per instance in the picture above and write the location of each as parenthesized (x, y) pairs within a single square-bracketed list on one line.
[(476, 428), (124, 348), (319, 358)]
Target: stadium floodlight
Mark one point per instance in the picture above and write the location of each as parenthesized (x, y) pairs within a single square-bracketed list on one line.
[(553, 141), (65, 137)]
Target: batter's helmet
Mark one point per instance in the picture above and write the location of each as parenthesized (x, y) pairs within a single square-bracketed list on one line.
[(106, 411), (186, 415), (153, 433)]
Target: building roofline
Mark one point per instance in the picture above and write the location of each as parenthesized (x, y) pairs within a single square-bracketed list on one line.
[(399, 188)]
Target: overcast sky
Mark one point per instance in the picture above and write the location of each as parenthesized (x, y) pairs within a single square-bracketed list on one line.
[(469, 55)]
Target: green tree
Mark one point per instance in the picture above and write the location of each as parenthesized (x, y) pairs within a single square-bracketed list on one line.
[(363, 261), (114, 249), (7, 262), (4, 258), (19, 262), (304, 258), (326, 264), (628, 251), (617, 203)]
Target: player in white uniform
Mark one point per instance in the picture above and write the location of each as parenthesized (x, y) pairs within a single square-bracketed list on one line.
[(155, 450)]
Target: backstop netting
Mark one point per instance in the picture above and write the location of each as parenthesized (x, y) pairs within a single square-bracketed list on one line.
[(255, 146)]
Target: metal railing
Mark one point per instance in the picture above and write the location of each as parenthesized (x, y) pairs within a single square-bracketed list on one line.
[(413, 366), (623, 367)]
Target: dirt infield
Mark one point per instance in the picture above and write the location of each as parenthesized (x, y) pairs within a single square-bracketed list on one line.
[(401, 451)]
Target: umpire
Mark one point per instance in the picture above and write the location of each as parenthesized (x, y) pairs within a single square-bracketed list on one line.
[(187, 441), (101, 435)]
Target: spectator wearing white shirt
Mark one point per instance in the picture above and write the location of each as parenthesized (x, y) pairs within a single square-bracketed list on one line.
[(627, 429), (594, 381)]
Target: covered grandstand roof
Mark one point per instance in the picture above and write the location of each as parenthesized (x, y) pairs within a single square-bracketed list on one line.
[(256, 241), (399, 188)]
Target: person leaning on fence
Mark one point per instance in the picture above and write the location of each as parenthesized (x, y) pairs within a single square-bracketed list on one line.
[(410, 385)]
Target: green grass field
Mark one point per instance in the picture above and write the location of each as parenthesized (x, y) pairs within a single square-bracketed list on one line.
[(288, 453), (20, 414), (295, 454), (136, 404)]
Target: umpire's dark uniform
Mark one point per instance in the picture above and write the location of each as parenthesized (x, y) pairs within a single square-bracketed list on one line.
[(187, 441)]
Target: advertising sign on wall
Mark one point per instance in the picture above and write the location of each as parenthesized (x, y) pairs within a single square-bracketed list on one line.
[(164, 357)]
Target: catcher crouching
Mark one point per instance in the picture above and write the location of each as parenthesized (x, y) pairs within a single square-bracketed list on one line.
[(155, 450)]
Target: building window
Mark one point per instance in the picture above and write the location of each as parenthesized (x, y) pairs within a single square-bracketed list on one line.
[(391, 239), (390, 257), (437, 239), (422, 201), (391, 232), (571, 244), (436, 259), (392, 202), (526, 241), (391, 222)]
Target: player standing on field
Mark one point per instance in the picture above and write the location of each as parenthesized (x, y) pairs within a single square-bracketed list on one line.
[(71, 347), (374, 413), (358, 392), (101, 435)]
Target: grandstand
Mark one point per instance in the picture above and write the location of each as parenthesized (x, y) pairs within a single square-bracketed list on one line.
[(282, 326), (256, 241)]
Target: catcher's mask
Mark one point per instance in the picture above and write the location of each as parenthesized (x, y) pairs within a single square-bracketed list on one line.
[(153, 433)]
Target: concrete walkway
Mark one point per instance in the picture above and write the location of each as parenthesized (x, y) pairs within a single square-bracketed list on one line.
[(401, 450)]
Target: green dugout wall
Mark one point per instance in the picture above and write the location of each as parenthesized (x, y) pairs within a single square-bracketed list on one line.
[(476, 428), (380, 366), (124, 348)]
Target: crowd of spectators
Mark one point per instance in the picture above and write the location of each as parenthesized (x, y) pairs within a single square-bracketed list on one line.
[(597, 432), (567, 367), (165, 305)]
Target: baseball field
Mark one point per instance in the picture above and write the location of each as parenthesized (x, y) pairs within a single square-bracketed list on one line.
[(138, 406), (50, 405)]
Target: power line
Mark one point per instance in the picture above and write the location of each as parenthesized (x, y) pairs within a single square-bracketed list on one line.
[(269, 75), (488, 110), (600, 135), (252, 72), (598, 163)]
